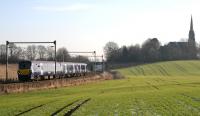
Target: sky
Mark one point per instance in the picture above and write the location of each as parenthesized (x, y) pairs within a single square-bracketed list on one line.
[(87, 25)]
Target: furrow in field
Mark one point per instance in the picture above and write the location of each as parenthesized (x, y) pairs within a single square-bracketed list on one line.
[(171, 68), (38, 107), (197, 66), (59, 110), (142, 70), (160, 70), (69, 113), (152, 70), (138, 70), (30, 109), (132, 71), (155, 87), (164, 71), (180, 68)]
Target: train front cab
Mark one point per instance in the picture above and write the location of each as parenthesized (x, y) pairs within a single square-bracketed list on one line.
[(24, 70)]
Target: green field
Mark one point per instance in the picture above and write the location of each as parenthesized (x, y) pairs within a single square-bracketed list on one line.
[(166, 88)]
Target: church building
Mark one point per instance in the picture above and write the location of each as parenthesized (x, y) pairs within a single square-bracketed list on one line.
[(180, 50)]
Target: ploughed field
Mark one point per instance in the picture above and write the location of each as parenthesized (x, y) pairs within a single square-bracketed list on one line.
[(166, 88)]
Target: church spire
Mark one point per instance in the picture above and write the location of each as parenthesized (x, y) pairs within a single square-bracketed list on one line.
[(191, 24), (191, 39)]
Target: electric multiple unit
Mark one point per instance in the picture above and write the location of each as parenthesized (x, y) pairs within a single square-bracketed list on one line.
[(41, 69)]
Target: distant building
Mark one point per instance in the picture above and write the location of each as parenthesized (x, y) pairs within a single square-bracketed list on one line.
[(182, 50)]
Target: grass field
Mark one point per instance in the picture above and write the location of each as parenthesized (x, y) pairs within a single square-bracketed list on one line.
[(159, 89)]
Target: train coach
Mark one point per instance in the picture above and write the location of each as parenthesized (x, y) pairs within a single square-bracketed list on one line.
[(28, 70)]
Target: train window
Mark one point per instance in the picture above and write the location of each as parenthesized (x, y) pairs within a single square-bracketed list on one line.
[(69, 67), (76, 67), (24, 65), (82, 67)]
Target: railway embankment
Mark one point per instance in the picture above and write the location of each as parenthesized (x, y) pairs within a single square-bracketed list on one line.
[(55, 83)]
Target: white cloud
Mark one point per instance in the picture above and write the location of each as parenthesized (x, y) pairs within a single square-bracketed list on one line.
[(75, 7)]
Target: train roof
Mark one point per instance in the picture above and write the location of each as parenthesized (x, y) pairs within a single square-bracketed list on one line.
[(58, 62), (24, 61)]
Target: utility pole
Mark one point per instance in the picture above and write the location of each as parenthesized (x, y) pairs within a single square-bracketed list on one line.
[(7, 60), (63, 56), (95, 62), (55, 56), (102, 64)]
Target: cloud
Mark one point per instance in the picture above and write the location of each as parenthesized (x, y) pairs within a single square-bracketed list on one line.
[(76, 7)]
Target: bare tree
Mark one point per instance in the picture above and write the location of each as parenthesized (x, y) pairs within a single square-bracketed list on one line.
[(14, 53), (50, 53), (41, 51), (2, 53), (79, 58), (31, 52), (23, 53), (150, 50), (62, 55), (134, 53), (111, 50), (12, 48), (18, 52)]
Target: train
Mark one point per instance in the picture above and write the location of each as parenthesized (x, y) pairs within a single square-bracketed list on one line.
[(39, 70)]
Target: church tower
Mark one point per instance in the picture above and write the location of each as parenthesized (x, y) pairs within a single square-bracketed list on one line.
[(191, 40)]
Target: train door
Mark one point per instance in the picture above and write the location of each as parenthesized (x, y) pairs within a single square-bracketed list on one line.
[(71, 69), (74, 69), (82, 68), (41, 69), (64, 69), (79, 68)]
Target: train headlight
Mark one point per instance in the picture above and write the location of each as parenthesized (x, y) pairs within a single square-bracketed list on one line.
[(24, 72), (18, 72)]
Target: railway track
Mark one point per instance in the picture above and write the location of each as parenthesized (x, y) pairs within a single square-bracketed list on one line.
[(46, 79)]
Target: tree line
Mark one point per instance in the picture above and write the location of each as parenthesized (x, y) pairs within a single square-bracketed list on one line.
[(40, 52), (150, 51)]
